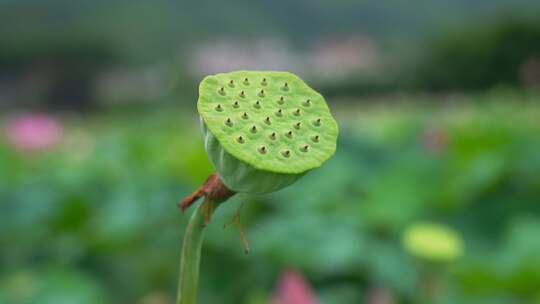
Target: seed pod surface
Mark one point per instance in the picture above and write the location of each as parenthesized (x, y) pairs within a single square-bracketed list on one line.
[(271, 103)]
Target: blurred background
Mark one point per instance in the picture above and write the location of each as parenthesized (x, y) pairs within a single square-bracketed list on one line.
[(433, 195)]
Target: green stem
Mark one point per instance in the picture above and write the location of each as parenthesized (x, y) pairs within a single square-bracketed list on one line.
[(191, 256), (214, 192)]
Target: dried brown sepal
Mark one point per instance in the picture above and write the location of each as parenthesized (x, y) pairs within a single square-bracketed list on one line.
[(213, 188)]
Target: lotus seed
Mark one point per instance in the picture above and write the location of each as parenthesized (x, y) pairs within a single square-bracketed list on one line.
[(247, 162), (275, 108)]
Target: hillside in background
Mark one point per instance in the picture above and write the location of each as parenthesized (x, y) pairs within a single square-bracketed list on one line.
[(61, 53), (149, 28)]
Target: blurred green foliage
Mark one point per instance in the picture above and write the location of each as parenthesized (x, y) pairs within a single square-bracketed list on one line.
[(480, 57), (502, 52), (95, 220)]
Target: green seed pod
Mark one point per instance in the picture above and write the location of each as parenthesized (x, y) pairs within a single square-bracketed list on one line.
[(263, 129), (433, 242)]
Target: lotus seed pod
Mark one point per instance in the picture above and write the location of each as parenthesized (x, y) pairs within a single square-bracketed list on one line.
[(264, 129), (433, 242)]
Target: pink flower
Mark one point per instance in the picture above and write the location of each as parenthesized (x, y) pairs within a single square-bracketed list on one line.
[(293, 289), (34, 132), (435, 139), (380, 295)]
